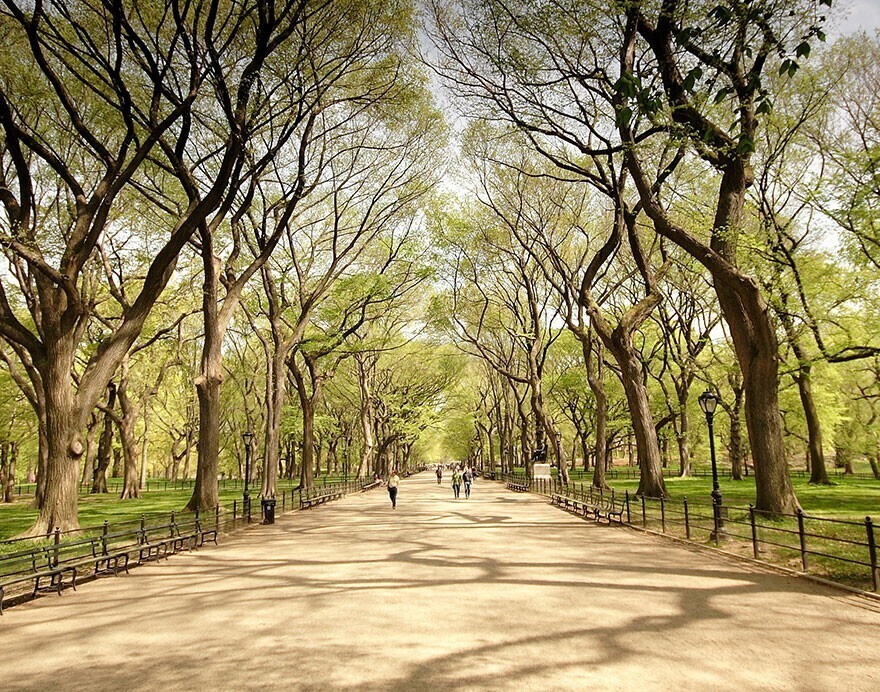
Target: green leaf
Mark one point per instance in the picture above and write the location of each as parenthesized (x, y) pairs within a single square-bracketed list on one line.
[(623, 117), (722, 94), (764, 106), (627, 86), (745, 146), (683, 36), (803, 50)]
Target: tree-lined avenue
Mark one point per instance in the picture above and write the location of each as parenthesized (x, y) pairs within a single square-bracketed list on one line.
[(498, 592)]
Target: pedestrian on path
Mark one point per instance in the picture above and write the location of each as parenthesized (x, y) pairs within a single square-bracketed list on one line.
[(456, 482), (393, 484), (439, 475), (468, 479)]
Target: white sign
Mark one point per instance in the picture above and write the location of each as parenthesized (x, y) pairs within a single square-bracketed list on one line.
[(541, 471)]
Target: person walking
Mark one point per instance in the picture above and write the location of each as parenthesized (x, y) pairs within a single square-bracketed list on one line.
[(393, 484), (468, 479), (456, 482), (439, 475)]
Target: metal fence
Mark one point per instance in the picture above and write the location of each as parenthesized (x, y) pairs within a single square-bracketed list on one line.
[(838, 550), (632, 473), (225, 517)]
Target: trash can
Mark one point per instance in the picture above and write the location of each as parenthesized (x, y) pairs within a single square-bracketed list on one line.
[(268, 510)]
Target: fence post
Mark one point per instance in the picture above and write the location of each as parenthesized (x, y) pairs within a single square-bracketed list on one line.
[(662, 515), (872, 551), (143, 528), (802, 537), (172, 526), (234, 511), (687, 521), (104, 536), (644, 515), (628, 519), (57, 541), (217, 517)]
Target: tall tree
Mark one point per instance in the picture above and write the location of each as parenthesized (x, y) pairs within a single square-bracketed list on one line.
[(86, 119)]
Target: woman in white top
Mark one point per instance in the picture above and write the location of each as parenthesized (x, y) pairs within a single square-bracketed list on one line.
[(393, 484)]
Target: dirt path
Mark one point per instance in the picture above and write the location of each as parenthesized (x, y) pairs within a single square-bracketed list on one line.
[(499, 592)]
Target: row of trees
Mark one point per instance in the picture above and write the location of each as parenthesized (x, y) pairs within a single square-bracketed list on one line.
[(286, 142), (645, 170), (224, 216)]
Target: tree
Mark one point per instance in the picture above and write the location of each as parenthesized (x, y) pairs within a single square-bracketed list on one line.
[(547, 73), (98, 95)]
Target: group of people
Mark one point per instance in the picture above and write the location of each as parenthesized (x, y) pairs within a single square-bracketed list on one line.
[(461, 475)]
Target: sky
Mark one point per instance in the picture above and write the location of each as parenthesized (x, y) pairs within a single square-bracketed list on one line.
[(860, 14)]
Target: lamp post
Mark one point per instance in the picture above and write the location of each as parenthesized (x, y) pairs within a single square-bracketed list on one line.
[(708, 403), (247, 436)]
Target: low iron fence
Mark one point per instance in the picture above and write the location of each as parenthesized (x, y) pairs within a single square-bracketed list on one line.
[(632, 473), (839, 550), (225, 517)]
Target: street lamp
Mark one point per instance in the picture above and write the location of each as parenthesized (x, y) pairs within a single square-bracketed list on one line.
[(247, 436), (708, 403)]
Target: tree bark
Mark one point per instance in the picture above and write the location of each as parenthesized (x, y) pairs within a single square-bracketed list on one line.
[(596, 380), (367, 415), (65, 444), (126, 424), (105, 445), (816, 453), (208, 384)]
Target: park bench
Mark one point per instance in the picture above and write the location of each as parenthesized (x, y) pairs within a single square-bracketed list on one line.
[(605, 507), (30, 565), (518, 487), (57, 562), (319, 497), (163, 540)]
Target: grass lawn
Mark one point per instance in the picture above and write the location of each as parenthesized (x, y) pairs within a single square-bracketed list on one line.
[(848, 498), (17, 516)]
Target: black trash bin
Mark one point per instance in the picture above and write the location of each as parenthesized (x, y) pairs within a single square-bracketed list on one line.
[(268, 509)]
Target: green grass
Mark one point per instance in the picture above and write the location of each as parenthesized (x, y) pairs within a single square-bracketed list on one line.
[(18, 516), (848, 498), (834, 547)]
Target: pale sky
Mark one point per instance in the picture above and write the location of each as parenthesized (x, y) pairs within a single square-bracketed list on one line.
[(853, 15)]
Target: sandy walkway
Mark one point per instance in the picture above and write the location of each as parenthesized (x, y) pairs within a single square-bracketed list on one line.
[(499, 592)]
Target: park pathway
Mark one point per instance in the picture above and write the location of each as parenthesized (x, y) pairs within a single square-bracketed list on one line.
[(498, 592)]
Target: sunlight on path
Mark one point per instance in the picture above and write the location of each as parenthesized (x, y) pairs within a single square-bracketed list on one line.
[(498, 592)]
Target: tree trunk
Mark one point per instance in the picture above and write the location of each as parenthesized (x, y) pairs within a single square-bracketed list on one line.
[(276, 390), (683, 433), (88, 465), (307, 405), (596, 380), (816, 453), (42, 460), (872, 459), (105, 445), (756, 346), (126, 424), (651, 483), (145, 445), (65, 444), (367, 416), (205, 491), (8, 457), (130, 485)]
